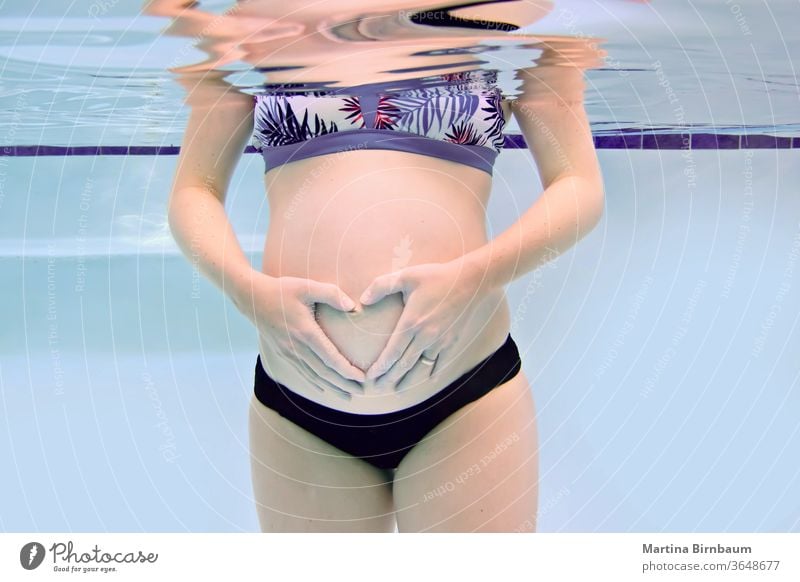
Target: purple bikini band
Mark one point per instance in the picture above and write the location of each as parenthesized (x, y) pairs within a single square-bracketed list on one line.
[(480, 157)]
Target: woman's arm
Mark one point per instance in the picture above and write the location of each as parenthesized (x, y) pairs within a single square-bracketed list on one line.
[(219, 126), (281, 308), (553, 120)]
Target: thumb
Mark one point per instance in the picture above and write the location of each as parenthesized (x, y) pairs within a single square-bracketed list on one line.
[(381, 287), (330, 294)]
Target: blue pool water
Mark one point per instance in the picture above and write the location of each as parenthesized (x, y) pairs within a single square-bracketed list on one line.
[(662, 350)]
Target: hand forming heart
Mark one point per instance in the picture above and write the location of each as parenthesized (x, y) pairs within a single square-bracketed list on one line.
[(436, 295)]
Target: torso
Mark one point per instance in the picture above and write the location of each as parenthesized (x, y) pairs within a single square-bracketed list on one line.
[(347, 218)]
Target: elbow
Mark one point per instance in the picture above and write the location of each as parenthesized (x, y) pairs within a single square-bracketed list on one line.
[(592, 205), (175, 208), (172, 215), (178, 225), (598, 205)]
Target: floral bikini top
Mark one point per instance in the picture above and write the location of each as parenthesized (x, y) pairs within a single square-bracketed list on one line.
[(455, 116)]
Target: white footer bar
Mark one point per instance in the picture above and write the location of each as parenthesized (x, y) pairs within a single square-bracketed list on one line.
[(407, 557)]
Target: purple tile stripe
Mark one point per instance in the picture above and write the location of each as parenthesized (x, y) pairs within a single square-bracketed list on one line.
[(45, 150), (630, 139), (666, 141)]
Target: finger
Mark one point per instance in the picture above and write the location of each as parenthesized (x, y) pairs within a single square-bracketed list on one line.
[(408, 360), (307, 374), (292, 356), (429, 358), (392, 351), (432, 354), (330, 355), (330, 294), (318, 382), (381, 287), (300, 357), (403, 383), (429, 353), (434, 365), (323, 372), (396, 372), (442, 359)]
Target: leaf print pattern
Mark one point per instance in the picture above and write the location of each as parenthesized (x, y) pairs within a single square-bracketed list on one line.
[(494, 110), (387, 114), (465, 134), (464, 108), (433, 115), (353, 107)]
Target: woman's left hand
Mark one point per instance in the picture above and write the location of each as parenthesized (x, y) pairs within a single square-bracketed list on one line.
[(436, 296)]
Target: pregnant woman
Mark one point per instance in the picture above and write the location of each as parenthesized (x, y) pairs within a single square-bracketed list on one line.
[(388, 390)]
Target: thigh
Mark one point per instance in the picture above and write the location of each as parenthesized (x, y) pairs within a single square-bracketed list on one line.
[(477, 470), (303, 484)]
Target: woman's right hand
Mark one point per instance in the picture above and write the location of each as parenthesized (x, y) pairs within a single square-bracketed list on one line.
[(282, 309)]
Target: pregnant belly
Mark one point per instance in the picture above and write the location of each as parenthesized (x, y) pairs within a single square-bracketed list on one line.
[(349, 243), (361, 336)]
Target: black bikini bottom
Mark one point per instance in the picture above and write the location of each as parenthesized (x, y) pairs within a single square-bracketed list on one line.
[(384, 439)]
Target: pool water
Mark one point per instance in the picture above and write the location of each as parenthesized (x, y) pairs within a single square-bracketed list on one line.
[(662, 349)]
